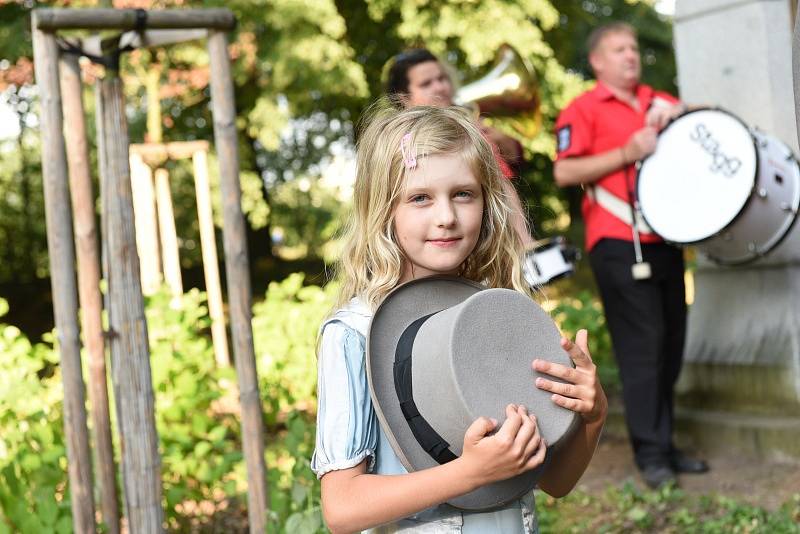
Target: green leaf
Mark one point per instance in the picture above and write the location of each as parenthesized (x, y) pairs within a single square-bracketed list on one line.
[(200, 423), (202, 448), (175, 495), (31, 462), (217, 433), (64, 525), (299, 494), (637, 514), (46, 506), (31, 523)]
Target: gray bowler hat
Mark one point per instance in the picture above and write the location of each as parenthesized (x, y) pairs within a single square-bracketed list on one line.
[(443, 351)]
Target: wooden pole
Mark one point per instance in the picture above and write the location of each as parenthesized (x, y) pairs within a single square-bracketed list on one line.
[(144, 210), (62, 278), (52, 19), (208, 243), (130, 354), (156, 153), (238, 278), (169, 237), (89, 284)]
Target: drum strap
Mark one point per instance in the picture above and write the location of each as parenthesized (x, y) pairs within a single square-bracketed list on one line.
[(617, 207)]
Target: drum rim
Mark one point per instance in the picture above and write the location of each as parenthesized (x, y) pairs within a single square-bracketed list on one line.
[(752, 186), (774, 245), (546, 243), (758, 255)]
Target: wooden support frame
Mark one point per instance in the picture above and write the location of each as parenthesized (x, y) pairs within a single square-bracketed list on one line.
[(238, 277), (208, 243), (156, 154), (80, 182), (62, 276), (168, 234), (144, 209), (128, 332)]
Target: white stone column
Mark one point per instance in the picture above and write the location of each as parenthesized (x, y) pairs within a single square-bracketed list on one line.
[(742, 376)]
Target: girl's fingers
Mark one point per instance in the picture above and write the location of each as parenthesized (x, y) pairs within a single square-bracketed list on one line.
[(510, 426), (569, 374), (535, 439), (582, 340), (526, 431), (567, 390), (579, 354), (538, 457), (576, 405)]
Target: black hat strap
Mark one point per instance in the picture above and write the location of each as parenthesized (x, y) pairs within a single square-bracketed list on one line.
[(426, 436)]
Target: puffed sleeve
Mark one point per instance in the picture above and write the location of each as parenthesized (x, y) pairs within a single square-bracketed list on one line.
[(573, 132), (347, 427)]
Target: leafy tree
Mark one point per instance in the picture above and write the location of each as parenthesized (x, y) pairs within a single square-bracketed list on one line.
[(303, 72)]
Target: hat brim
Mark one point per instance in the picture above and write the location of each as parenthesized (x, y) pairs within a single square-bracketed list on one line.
[(409, 302)]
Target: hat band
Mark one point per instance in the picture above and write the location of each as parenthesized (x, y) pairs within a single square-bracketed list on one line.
[(426, 436)]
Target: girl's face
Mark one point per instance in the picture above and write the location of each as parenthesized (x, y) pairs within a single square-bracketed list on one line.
[(437, 220)]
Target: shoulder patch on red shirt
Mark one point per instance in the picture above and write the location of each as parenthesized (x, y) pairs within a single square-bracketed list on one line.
[(564, 137)]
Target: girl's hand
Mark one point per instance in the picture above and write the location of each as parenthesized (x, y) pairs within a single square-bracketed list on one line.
[(515, 448), (582, 393)]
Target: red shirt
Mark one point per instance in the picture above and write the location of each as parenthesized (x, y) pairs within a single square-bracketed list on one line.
[(505, 168), (596, 122)]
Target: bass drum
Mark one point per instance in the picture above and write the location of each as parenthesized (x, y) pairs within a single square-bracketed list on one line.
[(715, 183), (548, 260)]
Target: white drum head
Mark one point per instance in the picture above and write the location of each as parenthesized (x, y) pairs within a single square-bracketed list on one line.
[(699, 177)]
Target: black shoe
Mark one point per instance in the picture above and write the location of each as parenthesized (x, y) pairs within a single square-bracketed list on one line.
[(684, 464), (658, 475)]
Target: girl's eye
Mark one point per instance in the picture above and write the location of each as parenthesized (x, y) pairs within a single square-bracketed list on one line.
[(419, 199), (464, 194)]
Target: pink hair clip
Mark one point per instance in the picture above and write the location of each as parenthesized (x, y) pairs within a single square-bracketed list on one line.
[(409, 158)]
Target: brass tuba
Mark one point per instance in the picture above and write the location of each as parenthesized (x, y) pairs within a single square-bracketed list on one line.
[(510, 89)]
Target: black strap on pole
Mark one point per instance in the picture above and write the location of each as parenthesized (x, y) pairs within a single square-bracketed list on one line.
[(110, 59)]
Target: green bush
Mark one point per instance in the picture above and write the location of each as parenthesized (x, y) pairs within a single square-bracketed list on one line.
[(285, 326), (585, 311), (199, 429), (199, 438), (34, 496)]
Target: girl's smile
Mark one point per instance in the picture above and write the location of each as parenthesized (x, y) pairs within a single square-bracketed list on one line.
[(437, 220), (451, 241)]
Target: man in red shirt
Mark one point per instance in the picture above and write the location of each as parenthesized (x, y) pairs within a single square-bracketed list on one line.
[(600, 136), (417, 78)]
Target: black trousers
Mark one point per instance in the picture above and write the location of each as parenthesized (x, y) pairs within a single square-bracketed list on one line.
[(647, 322)]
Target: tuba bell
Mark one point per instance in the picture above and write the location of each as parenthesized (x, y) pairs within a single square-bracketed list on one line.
[(510, 89)]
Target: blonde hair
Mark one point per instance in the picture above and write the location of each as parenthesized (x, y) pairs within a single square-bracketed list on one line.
[(372, 262)]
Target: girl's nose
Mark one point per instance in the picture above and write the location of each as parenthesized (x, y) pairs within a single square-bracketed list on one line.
[(445, 215)]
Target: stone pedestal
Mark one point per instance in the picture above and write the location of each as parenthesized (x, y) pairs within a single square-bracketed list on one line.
[(741, 383)]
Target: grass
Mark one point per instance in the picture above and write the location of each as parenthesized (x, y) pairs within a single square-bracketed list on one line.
[(669, 510)]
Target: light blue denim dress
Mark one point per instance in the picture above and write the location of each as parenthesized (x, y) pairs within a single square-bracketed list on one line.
[(348, 432)]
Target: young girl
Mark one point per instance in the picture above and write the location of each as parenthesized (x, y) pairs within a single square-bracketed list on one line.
[(428, 200)]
